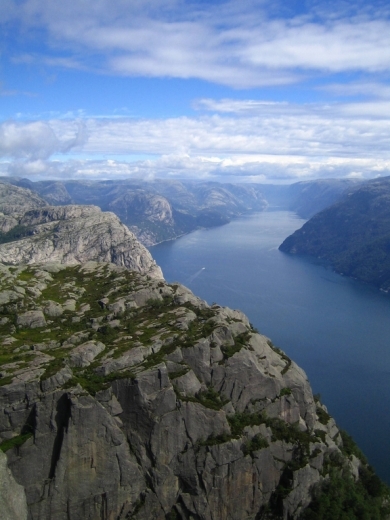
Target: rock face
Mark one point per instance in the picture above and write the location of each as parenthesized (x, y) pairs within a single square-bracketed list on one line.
[(15, 201), (68, 234), (141, 401), (13, 504)]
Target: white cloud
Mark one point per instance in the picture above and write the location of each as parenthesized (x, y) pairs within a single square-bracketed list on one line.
[(38, 140), (237, 44), (238, 169), (245, 139), (358, 88)]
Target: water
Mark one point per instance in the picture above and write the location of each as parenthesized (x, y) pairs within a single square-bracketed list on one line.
[(336, 329)]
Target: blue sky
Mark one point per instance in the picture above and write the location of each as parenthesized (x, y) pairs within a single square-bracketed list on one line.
[(250, 91)]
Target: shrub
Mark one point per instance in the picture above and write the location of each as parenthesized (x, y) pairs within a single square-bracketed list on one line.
[(258, 442)]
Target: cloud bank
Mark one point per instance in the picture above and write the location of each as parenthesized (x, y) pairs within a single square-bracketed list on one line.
[(239, 44), (244, 140)]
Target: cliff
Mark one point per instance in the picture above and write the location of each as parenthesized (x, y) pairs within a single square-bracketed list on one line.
[(127, 397), (353, 235), (34, 232)]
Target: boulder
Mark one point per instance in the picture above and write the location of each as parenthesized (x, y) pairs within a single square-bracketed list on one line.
[(83, 355), (31, 320)]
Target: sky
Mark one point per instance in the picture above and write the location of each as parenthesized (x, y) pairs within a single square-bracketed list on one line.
[(237, 91)]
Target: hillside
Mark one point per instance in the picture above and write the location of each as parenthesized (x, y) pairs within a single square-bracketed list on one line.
[(353, 235), (127, 397), (310, 197)]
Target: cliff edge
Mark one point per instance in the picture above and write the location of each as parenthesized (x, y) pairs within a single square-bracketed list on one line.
[(124, 396)]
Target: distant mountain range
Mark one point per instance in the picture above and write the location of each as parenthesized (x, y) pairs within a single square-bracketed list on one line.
[(353, 234), (161, 210)]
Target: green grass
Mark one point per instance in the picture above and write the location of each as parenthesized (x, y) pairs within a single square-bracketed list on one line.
[(92, 382), (178, 373), (25, 275), (15, 442)]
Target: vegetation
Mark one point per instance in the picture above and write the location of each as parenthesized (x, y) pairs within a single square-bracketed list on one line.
[(158, 327), (215, 440), (239, 341), (341, 497), (16, 233), (209, 398), (15, 442), (257, 442), (350, 447), (323, 416)]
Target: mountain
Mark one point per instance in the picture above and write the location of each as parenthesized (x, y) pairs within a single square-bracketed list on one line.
[(158, 210), (126, 397), (353, 235), (162, 210), (33, 231)]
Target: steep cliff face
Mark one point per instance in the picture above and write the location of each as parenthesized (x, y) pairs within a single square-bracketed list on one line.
[(66, 234), (13, 504), (127, 397)]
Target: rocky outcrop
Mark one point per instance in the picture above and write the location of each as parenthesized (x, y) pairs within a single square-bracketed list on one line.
[(141, 401), (68, 234)]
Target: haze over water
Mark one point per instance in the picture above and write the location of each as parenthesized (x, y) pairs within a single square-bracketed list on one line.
[(336, 329)]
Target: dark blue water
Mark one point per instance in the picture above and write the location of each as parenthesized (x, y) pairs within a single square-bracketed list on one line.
[(336, 329)]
